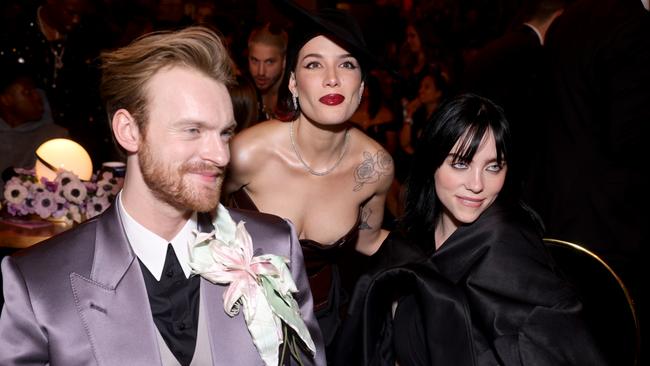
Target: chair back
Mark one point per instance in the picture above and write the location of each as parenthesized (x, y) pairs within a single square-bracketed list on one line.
[(608, 307)]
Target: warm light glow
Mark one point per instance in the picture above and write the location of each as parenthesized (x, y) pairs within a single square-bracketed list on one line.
[(63, 154)]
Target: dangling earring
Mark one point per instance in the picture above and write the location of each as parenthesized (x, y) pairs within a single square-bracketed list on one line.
[(295, 102)]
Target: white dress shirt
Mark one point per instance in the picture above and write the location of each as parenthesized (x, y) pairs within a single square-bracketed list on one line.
[(151, 249)]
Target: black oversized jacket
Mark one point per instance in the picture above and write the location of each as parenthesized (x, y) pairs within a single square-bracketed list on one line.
[(490, 295)]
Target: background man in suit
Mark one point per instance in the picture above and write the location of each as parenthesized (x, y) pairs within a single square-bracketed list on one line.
[(594, 192), (513, 71), (117, 290)]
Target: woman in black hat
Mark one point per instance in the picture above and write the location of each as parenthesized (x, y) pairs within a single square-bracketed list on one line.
[(329, 179)]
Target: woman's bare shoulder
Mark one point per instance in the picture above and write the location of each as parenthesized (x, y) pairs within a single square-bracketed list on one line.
[(251, 150), (364, 143)]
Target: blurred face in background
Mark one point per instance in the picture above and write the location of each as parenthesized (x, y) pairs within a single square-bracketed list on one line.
[(23, 101), (65, 15), (413, 39), (266, 65), (429, 92)]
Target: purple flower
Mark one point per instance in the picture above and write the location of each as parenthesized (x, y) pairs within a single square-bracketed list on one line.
[(15, 193), (65, 177), (110, 186), (18, 210), (96, 205), (45, 204), (73, 214), (36, 188), (75, 192), (20, 171)]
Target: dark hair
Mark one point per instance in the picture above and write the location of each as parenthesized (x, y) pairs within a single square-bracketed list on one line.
[(12, 72), (465, 118), (244, 102)]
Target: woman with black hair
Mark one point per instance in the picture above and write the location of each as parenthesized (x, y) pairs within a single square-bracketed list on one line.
[(467, 280), (312, 168)]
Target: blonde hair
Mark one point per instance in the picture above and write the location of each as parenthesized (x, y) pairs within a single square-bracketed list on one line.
[(126, 71)]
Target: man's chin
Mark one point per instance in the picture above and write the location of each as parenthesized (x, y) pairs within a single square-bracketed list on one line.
[(201, 204), (263, 88)]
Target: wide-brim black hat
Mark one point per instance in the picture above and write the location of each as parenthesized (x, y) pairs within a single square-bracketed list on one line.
[(337, 25)]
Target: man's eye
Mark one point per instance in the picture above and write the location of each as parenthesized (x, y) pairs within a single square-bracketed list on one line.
[(228, 134)]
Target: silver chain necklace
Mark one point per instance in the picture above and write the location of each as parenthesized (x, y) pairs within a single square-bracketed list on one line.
[(309, 169)]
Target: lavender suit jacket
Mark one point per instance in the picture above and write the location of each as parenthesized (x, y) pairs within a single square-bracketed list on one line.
[(80, 299)]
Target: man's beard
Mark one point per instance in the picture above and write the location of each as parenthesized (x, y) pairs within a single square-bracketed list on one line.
[(168, 183)]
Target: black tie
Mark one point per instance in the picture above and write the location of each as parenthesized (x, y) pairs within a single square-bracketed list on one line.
[(174, 303)]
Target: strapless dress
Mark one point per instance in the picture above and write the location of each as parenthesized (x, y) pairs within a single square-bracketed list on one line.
[(332, 269)]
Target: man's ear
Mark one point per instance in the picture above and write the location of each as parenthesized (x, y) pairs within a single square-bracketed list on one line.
[(126, 131)]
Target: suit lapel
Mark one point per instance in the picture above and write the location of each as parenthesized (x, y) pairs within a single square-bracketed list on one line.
[(230, 341), (113, 302)]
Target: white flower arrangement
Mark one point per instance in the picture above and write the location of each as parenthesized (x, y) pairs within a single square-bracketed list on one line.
[(67, 198)]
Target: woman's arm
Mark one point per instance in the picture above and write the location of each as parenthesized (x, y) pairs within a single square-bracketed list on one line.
[(379, 165)]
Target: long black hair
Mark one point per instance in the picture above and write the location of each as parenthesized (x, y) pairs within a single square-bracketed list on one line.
[(465, 118)]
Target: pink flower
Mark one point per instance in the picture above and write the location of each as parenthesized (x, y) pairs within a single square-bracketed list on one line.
[(237, 266), (261, 286)]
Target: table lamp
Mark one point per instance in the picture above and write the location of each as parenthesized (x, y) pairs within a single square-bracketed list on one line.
[(65, 154)]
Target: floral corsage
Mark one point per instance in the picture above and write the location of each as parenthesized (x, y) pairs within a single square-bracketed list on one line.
[(261, 286)]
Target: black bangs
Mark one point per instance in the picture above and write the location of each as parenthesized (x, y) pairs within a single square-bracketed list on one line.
[(475, 132)]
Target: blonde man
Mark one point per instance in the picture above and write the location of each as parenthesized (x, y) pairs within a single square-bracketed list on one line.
[(118, 290)]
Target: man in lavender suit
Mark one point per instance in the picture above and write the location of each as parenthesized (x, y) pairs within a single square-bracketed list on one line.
[(117, 290)]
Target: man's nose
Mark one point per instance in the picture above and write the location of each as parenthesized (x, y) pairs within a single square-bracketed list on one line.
[(261, 69), (216, 150)]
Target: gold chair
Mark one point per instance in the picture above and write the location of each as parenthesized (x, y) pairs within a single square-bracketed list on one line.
[(608, 307)]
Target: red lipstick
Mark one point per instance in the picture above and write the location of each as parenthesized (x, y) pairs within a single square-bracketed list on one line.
[(332, 99)]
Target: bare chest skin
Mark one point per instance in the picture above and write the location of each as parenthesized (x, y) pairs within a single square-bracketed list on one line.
[(322, 208)]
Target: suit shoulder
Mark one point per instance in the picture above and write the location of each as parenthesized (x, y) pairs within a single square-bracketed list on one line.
[(77, 243)]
